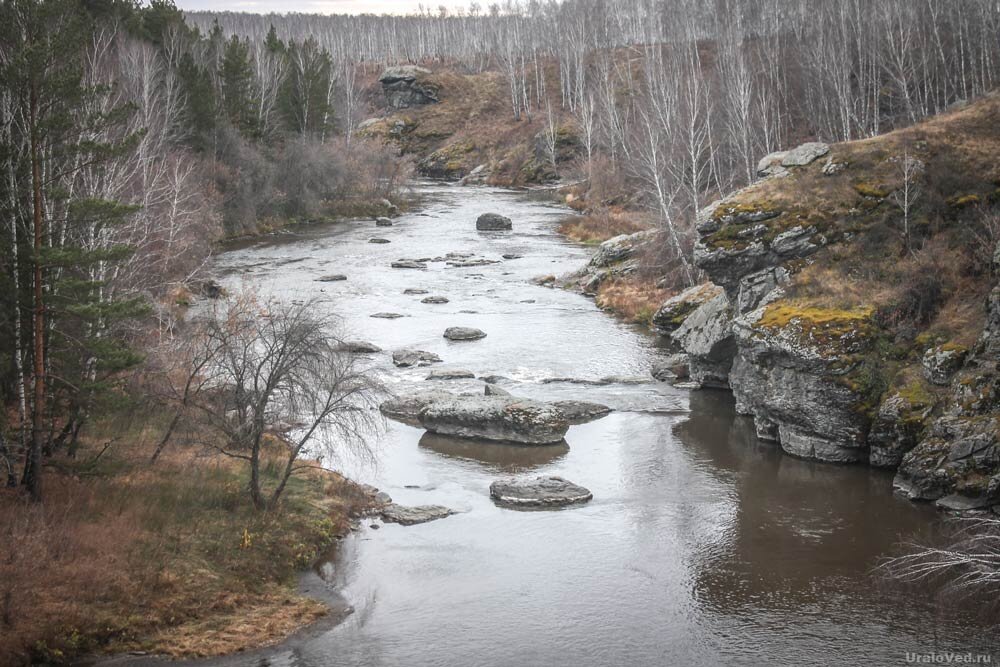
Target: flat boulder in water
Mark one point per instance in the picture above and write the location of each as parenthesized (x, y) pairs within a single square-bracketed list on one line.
[(409, 516), (408, 264), (500, 418), (539, 492), (387, 316), (463, 333), (357, 347), (407, 408), (451, 374), (332, 278), (406, 358), (383, 222), (489, 222), (377, 240), (434, 299), (581, 412)]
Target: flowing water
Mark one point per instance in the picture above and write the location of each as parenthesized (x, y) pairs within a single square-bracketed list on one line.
[(702, 546)]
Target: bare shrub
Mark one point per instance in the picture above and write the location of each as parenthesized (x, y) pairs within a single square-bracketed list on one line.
[(964, 564)]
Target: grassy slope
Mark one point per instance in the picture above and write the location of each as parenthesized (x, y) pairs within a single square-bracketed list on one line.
[(167, 559), (931, 293)]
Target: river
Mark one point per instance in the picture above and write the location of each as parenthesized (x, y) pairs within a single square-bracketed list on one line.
[(702, 546)]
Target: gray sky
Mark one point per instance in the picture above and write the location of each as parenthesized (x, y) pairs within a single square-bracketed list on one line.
[(318, 6)]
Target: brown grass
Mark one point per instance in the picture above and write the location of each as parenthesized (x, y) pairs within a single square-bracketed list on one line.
[(603, 224), (634, 298), (166, 559)]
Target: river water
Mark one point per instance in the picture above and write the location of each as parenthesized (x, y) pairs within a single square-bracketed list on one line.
[(702, 546)]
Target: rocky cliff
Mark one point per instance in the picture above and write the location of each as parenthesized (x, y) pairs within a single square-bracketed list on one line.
[(855, 325)]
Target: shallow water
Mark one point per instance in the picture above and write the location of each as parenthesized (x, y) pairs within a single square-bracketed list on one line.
[(702, 546)]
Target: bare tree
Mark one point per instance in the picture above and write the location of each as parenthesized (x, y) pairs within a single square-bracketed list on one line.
[(262, 365), (909, 170)]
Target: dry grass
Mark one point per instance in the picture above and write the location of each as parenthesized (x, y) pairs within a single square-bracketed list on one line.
[(168, 559), (634, 298), (603, 224)]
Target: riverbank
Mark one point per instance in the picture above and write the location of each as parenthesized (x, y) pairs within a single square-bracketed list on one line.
[(166, 558)]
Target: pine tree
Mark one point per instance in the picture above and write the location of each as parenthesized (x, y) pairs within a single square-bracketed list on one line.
[(42, 46), (305, 97), (237, 86)]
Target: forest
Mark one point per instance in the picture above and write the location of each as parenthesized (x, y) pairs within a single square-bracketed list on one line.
[(139, 141)]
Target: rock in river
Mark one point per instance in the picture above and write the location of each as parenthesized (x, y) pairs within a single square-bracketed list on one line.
[(452, 374), (378, 240), (493, 222), (332, 278), (407, 408), (408, 516), (408, 264), (539, 492), (581, 412), (434, 299), (502, 418), (463, 333), (387, 316), (357, 347), (406, 358), (383, 222)]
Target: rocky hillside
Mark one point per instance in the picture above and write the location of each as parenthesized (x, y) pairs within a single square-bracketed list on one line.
[(856, 316), (460, 126)]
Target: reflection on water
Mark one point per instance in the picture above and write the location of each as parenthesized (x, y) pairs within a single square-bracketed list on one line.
[(702, 545), (502, 457)]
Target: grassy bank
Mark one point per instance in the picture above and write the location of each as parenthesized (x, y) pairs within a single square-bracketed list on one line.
[(167, 558)]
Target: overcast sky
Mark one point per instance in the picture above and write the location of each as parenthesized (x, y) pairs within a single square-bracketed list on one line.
[(318, 6)]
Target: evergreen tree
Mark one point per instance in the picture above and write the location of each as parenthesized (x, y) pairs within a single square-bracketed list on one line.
[(306, 93), (237, 86), (49, 140)]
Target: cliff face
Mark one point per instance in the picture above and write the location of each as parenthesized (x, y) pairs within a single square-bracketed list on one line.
[(856, 324)]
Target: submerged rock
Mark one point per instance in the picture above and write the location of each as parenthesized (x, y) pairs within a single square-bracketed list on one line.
[(411, 291), (332, 278), (463, 333), (380, 241), (407, 358), (493, 222), (434, 299), (387, 316), (501, 418), (409, 516), (408, 264), (539, 492)]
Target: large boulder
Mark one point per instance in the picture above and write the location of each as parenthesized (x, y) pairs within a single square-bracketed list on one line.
[(407, 86), (489, 222), (539, 492), (407, 408), (501, 418), (675, 310), (357, 347), (463, 333), (706, 336), (798, 372)]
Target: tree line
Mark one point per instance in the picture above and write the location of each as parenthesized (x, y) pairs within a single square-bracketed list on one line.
[(684, 96)]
